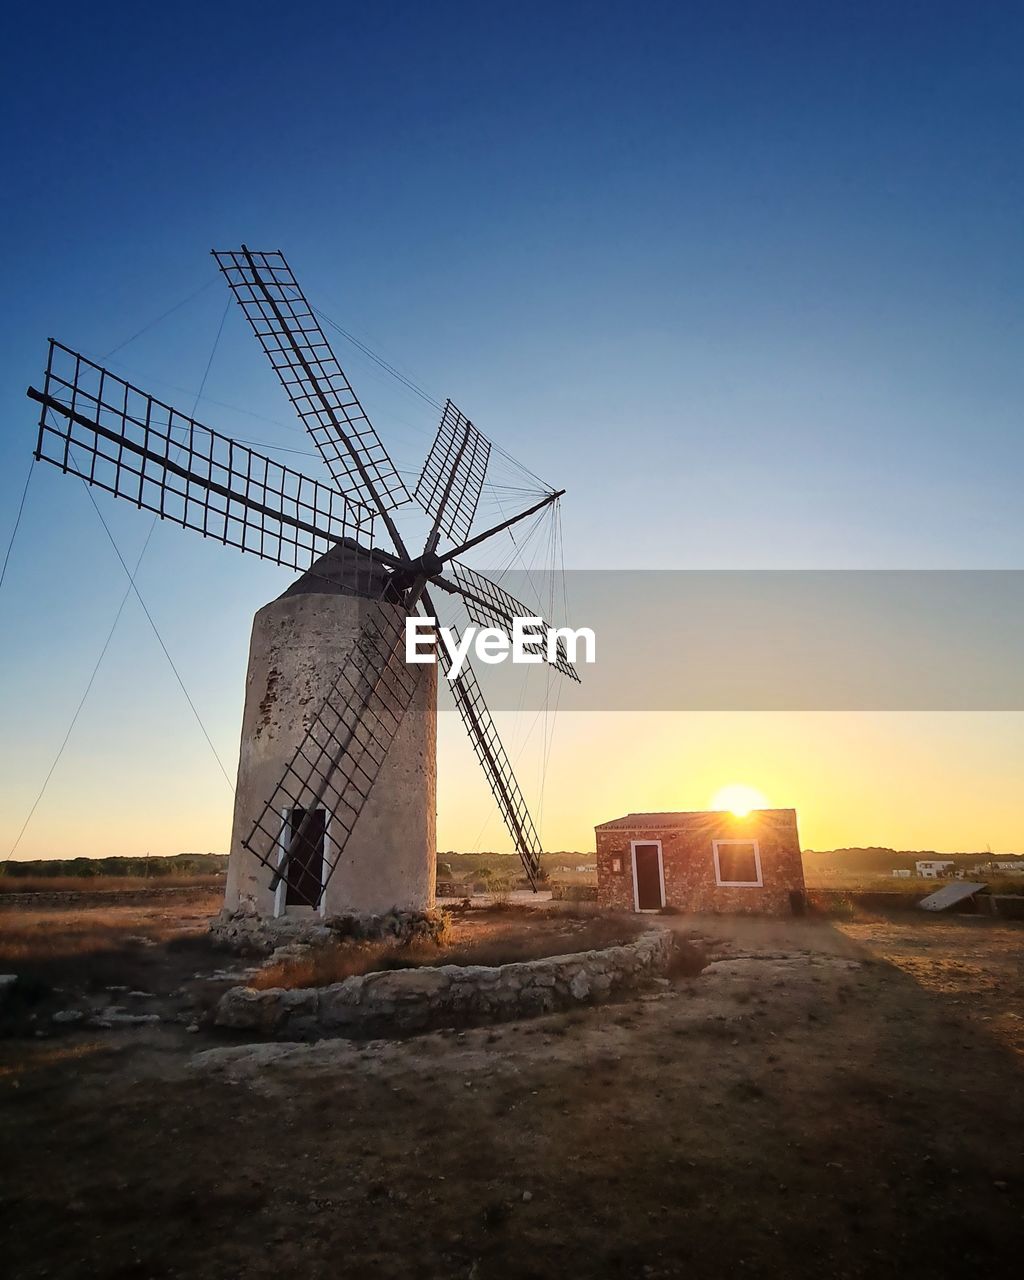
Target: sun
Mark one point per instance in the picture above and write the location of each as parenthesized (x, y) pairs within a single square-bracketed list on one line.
[(739, 799)]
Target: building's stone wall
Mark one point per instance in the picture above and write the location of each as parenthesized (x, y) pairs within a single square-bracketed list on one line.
[(416, 999), (689, 865)]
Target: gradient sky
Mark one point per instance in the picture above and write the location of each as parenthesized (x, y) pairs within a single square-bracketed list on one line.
[(746, 279)]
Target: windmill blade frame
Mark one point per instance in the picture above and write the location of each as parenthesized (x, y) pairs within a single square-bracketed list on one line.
[(286, 327), (453, 474), (494, 760), (490, 605), (119, 438)]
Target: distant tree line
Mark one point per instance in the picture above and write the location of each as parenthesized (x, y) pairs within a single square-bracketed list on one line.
[(879, 860), (178, 864)]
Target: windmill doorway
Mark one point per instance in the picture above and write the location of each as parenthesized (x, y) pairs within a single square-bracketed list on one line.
[(648, 875), (305, 877)]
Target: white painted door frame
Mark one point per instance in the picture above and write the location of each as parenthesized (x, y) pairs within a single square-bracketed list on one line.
[(280, 893), (661, 874), (282, 884)]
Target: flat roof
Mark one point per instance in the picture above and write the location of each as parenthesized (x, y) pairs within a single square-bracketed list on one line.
[(684, 818)]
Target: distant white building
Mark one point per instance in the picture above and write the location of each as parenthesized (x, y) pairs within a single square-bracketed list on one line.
[(1010, 867), (900, 874), (932, 868)]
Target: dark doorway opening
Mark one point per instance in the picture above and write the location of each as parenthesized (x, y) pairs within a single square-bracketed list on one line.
[(304, 875), (647, 869)]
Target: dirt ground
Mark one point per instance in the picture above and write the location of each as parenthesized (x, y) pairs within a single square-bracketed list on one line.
[(825, 1099)]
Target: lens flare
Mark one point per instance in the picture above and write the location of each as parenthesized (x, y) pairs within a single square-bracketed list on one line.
[(739, 799)]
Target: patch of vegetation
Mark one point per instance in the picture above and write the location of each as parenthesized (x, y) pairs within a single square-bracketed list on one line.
[(69, 874), (838, 906), (10, 886), (688, 960)]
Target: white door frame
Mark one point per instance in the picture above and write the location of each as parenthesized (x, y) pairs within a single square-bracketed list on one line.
[(280, 893), (282, 884), (661, 874), (325, 870)]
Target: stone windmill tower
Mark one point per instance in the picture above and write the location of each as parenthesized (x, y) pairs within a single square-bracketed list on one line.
[(335, 801)]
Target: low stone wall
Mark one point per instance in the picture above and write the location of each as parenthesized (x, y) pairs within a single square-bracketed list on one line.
[(244, 930), (1008, 905), (417, 999), (573, 892)]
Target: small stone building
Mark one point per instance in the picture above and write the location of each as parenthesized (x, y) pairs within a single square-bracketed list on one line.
[(703, 862)]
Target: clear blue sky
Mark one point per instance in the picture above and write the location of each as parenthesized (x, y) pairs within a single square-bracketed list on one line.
[(746, 279)]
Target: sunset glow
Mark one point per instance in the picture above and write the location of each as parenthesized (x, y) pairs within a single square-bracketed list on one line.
[(739, 799)]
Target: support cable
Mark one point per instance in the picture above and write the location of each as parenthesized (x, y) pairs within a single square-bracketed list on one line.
[(414, 387), (71, 726), (156, 631), (132, 573), (160, 318), (17, 520)]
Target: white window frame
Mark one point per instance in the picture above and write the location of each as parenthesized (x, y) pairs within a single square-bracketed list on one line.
[(281, 892), (661, 875), (738, 884)]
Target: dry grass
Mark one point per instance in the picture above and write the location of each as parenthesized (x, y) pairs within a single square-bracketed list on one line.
[(876, 882), (63, 947), (30, 936), (574, 877), (89, 946), (103, 884), (325, 965)]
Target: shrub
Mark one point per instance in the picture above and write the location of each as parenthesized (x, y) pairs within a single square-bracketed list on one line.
[(842, 907), (574, 892), (687, 960)]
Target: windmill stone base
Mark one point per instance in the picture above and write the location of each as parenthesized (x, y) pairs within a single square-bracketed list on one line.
[(299, 642)]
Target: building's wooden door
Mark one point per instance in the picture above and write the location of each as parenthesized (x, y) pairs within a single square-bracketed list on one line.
[(306, 873), (647, 876)]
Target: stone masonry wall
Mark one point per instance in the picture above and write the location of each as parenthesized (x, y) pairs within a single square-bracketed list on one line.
[(245, 931), (417, 999)]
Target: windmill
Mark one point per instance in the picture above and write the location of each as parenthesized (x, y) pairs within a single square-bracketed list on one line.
[(338, 758)]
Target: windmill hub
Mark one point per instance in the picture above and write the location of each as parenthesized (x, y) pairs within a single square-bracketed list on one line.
[(429, 565)]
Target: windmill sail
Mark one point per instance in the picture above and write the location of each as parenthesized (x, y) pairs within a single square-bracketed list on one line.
[(295, 344), (492, 606), (493, 759), (452, 479), (94, 424)]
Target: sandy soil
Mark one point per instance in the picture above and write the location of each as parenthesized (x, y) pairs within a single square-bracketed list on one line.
[(822, 1101)]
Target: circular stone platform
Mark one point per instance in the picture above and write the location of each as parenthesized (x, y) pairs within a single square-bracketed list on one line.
[(423, 998)]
